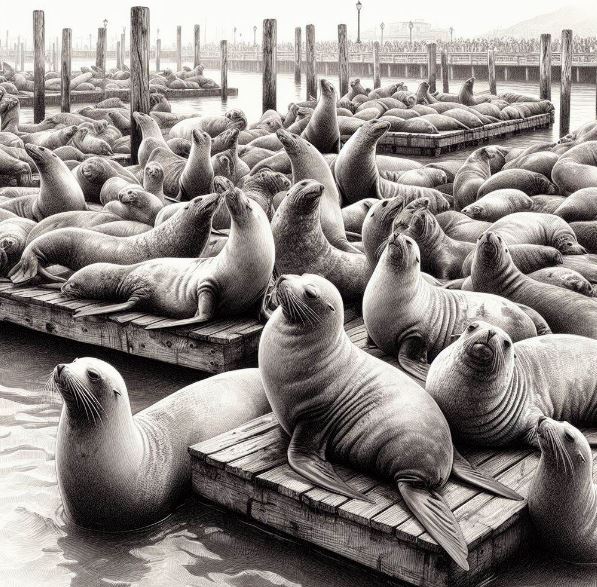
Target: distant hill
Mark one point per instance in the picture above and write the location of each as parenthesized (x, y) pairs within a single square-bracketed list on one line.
[(581, 18)]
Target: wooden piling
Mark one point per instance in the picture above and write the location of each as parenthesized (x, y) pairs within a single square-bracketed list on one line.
[(297, 54), (491, 71), (39, 66), (53, 57), (566, 81), (310, 58), (432, 65), (445, 71), (65, 70), (224, 68), (118, 56), (158, 50), (197, 45), (178, 48), (343, 72), (100, 50), (269, 64), (22, 56), (545, 67), (139, 64), (376, 68), (123, 49)]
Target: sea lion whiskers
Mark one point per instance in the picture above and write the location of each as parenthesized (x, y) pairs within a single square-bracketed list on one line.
[(90, 403), (563, 461)]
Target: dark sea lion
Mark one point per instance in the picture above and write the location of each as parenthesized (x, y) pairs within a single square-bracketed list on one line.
[(564, 277), (414, 321), (493, 390), (466, 96), (141, 469), (497, 204), (183, 235), (336, 401), (578, 206), (301, 246), (493, 271), (562, 495), (529, 182)]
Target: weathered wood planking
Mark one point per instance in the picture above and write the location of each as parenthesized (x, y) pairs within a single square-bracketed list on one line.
[(427, 144), (246, 470), (215, 347)]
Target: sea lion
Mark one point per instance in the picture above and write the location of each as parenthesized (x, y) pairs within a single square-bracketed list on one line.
[(586, 234), (183, 235), (493, 390), (141, 468), (546, 204), (322, 130), (578, 206), (13, 239), (59, 190), (461, 227), (213, 125), (149, 130), (355, 214), (92, 173), (562, 495), (493, 271), (466, 96), (576, 168), (529, 182), (336, 401), (308, 163), (539, 229), (89, 144), (190, 291), (301, 246), (564, 277), (410, 319), (153, 179), (539, 162), (497, 204), (471, 176), (112, 188), (51, 139), (12, 167), (134, 203)]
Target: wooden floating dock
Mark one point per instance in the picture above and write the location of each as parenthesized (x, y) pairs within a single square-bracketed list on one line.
[(246, 470), (406, 143), (95, 96)]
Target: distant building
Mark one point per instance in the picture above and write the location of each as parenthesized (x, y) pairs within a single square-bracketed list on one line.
[(400, 31)]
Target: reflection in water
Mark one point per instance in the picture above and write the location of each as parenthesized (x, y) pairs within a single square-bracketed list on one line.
[(198, 545)]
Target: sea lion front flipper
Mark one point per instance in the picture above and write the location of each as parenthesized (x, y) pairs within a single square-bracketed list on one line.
[(464, 471), (435, 516), (112, 309), (538, 320), (206, 307), (306, 456), (412, 358)]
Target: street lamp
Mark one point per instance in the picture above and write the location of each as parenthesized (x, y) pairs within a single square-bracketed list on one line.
[(382, 26), (105, 23), (359, 6), (254, 35), (410, 27), (451, 33)]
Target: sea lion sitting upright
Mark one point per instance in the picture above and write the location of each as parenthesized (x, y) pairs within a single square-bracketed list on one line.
[(471, 176), (322, 130), (414, 321), (336, 401), (494, 391), (562, 497), (140, 470)]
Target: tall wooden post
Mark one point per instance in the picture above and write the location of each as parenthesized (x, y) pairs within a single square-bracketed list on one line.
[(100, 50), (224, 67), (158, 50), (445, 72), (431, 65), (39, 66), (17, 49), (22, 56), (123, 49), (269, 100), (197, 39), (178, 48), (139, 73), (310, 56), (118, 56), (297, 54), (65, 70), (491, 71), (343, 72), (566, 82), (545, 67), (376, 67)]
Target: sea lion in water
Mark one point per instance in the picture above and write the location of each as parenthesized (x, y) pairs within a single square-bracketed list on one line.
[(191, 291), (308, 163), (562, 496), (337, 401), (13, 239), (494, 272), (322, 129), (497, 204), (410, 319), (493, 391), (301, 246), (140, 470), (183, 235)]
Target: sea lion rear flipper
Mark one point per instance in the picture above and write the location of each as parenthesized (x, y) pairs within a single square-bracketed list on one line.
[(112, 309), (306, 456), (25, 270), (412, 358), (435, 516), (538, 320), (463, 470)]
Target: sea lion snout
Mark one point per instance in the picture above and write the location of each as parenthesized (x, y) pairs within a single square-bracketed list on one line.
[(59, 368)]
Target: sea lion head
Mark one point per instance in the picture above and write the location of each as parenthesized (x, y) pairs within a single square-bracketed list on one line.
[(309, 301), (7, 103), (492, 252), (304, 196), (104, 148), (242, 209), (94, 168), (141, 118), (41, 155), (402, 221), (379, 219), (327, 89), (201, 139), (93, 391), (203, 206), (486, 153), (475, 211), (402, 253), (423, 225), (291, 142), (12, 243), (486, 349), (470, 82), (228, 138), (69, 132), (223, 164), (237, 119), (563, 447), (154, 171), (269, 181), (374, 129)]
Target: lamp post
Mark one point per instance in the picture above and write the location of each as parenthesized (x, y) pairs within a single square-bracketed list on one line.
[(451, 33), (410, 29), (359, 6), (105, 23), (382, 26), (255, 36)]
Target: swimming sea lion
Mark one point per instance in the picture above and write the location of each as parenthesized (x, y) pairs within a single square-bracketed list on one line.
[(141, 468), (336, 401)]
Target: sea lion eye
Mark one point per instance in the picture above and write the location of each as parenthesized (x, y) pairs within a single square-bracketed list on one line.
[(311, 292), (569, 436), (472, 326), (93, 375), (507, 344)]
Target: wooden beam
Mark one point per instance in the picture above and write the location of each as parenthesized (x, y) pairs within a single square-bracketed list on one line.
[(178, 48), (224, 68), (158, 50), (310, 57), (197, 45), (545, 67), (566, 82), (491, 71), (376, 66), (297, 54), (269, 98), (432, 66), (445, 72), (65, 70), (39, 66), (343, 68), (139, 73)]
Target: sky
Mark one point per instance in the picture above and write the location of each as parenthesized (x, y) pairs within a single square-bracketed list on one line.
[(218, 18)]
